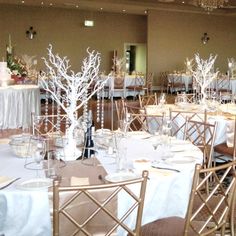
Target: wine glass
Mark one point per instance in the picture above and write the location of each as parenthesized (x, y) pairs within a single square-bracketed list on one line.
[(39, 153)]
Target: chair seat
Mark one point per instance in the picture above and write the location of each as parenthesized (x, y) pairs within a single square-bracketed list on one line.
[(134, 87), (224, 149), (171, 226)]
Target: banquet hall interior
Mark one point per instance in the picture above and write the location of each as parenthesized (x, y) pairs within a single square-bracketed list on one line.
[(117, 117)]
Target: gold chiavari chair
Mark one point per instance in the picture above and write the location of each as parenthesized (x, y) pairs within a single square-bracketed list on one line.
[(202, 135), (145, 100), (149, 83), (178, 120), (82, 225), (206, 214), (137, 122), (137, 88), (48, 125)]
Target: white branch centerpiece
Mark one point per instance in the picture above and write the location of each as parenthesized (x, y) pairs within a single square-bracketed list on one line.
[(72, 91), (204, 75)]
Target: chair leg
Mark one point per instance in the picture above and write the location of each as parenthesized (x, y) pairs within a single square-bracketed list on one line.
[(232, 212)]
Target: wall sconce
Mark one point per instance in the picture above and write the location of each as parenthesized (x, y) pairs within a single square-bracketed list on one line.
[(205, 38), (31, 33)]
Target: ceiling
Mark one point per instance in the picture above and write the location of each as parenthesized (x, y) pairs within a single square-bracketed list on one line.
[(127, 6)]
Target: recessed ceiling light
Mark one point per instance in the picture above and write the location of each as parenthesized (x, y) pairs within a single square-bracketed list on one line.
[(101, 8), (23, 1), (77, 6), (42, 3), (183, 2), (124, 10), (50, 4)]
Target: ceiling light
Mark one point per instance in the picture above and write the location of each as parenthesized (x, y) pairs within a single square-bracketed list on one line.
[(101, 8), (124, 10), (210, 5), (50, 4), (42, 3), (145, 12), (22, 2), (77, 6)]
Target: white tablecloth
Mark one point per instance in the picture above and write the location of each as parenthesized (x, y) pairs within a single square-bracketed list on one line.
[(221, 120), (22, 213), (167, 192), (17, 102)]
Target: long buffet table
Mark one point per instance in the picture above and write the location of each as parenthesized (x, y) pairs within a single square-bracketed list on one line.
[(17, 102), (167, 192)]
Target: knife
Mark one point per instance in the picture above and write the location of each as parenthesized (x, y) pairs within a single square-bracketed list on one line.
[(165, 168), (11, 182)]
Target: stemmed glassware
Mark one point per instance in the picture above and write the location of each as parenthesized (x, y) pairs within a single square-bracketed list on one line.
[(39, 154)]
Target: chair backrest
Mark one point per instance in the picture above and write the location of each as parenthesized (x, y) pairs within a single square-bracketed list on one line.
[(145, 100), (178, 118), (149, 82), (139, 79), (47, 125), (99, 198), (202, 135), (223, 83), (119, 81), (208, 213)]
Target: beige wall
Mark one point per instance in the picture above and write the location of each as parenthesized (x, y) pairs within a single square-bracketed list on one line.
[(173, 36), (64, 29)]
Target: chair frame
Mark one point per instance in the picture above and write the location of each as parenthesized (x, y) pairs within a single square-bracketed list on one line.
[(46, 125), (225, 195), (202, 135), (182, 114), (115, 189), (145, 100)]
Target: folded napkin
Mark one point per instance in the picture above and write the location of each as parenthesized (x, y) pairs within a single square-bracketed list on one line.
[(4, 140), (79, 181)]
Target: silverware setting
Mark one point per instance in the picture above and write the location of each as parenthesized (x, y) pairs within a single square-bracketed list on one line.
[(166, 168), (11, 182)]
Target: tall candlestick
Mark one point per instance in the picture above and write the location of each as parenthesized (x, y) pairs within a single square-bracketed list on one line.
[(9, 41)]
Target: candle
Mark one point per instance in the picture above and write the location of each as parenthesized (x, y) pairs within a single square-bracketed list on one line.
[(9, 41)]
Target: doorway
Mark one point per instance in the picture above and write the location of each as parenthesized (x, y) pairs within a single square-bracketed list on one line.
[(135, 54)]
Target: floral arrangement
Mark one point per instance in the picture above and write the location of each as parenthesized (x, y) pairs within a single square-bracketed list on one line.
[(15, 64)]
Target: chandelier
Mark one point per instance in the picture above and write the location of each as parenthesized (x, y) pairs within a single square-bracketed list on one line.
[(210, 5)]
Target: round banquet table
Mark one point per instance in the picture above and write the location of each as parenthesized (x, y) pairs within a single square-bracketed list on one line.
[(168, 191), (17, 102)]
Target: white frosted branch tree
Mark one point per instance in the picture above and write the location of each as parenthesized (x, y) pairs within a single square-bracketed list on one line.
[(204, 74), (71, 90)]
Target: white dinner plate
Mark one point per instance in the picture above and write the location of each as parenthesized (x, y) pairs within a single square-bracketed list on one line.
[(180, 160), (139, 134), (177, 148), (35, 184), (123, 176)]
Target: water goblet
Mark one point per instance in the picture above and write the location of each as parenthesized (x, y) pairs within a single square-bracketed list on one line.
[(39, 153)]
